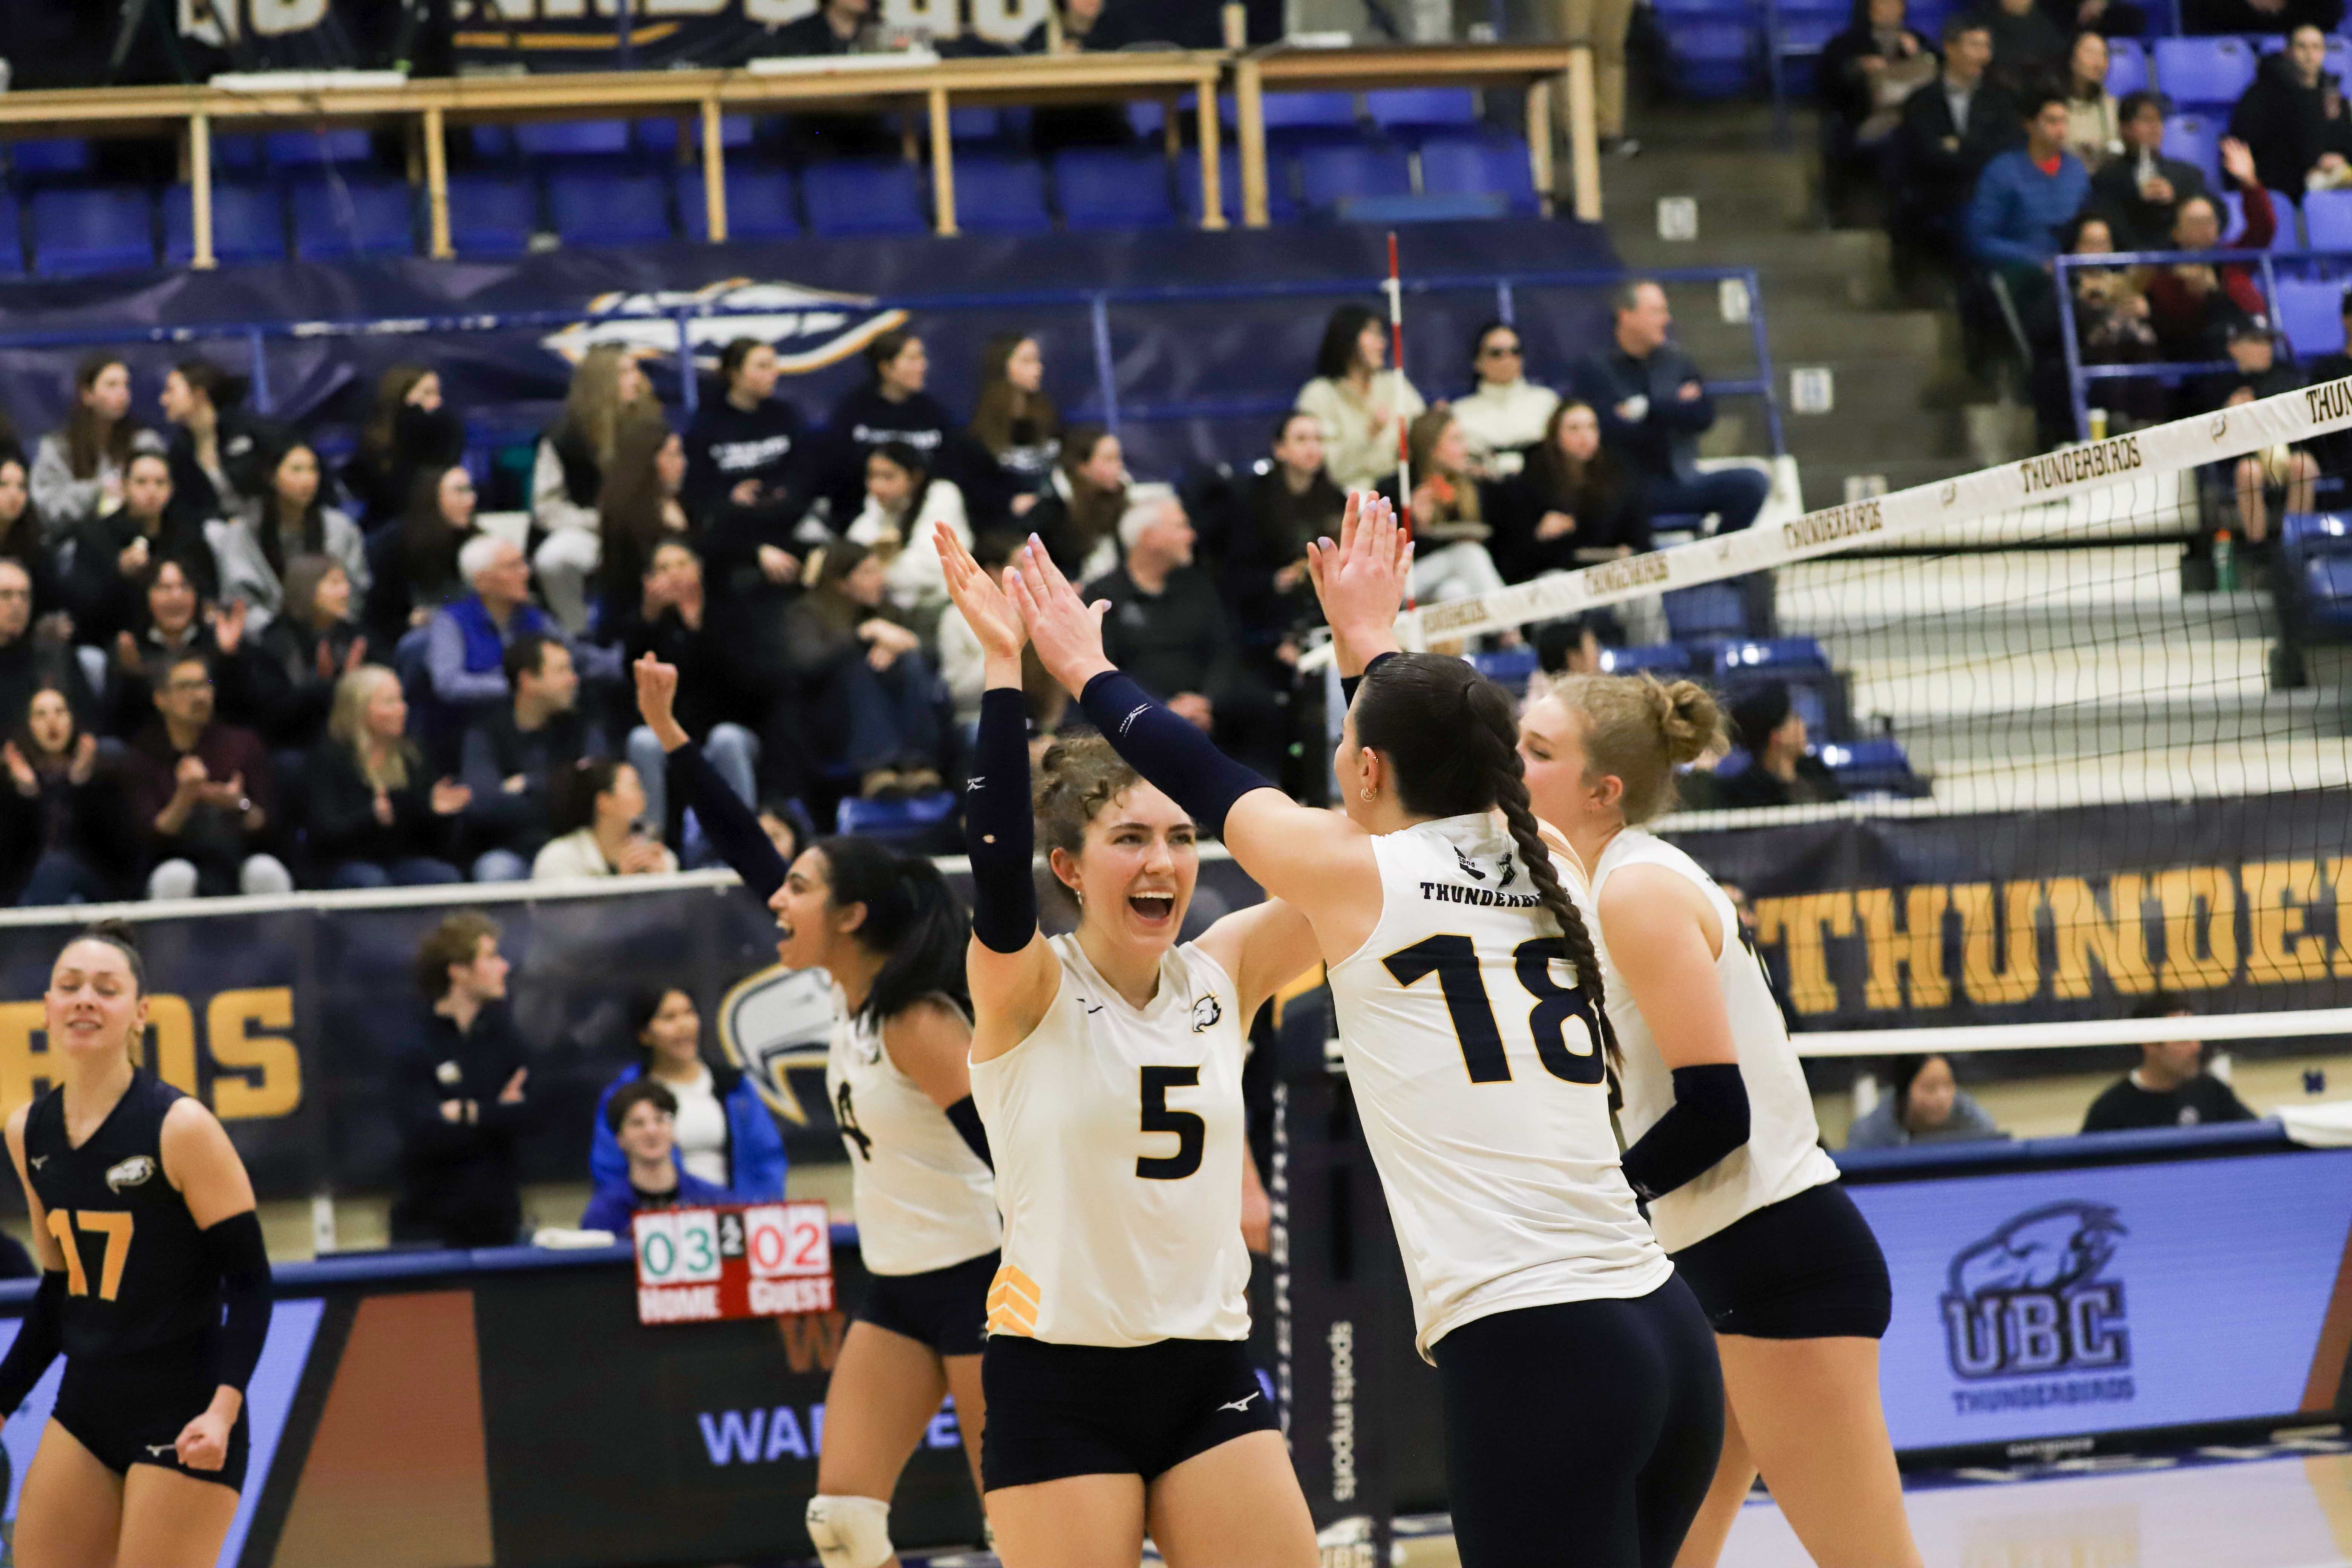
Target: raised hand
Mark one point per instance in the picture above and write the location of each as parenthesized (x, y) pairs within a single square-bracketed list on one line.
[(1360, 581), (986, 609), (1064, 628), (657, 699), (28, 783)]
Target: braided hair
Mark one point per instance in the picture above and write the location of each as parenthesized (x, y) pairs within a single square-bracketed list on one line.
[(1447, 731)]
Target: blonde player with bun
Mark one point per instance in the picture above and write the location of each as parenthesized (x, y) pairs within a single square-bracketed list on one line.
[(1722, 1141)]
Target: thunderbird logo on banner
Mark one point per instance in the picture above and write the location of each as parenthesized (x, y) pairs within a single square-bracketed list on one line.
[(810, 328), (774, 1021)]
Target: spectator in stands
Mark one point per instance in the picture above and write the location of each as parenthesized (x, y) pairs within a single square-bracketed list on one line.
[(672, 624), (409, 431), (2275, 474), (113, 551), (836, 27), (415, 564), (638, 1123), (219, 450), (1950, 129), (461, 1096), (2193, 305), (78, 471), (2293, 117), (1864, 74), (2141, 190), (465, 643), (290, 517), (1014, 422), (608, 394), (1449, 512), (177, 622), (1291, 499), (891, 406), (903, 502), (372, 819), (1782, 769), (2273, 16), (1653, 406), (2025, 199), (1571, 505), (2029, 50), (1078, 516), (1505, 414), (639, 510), (726, 1134), (204, 792), (2112, 327), (515, 752), (1364, 406), (1923, 1104), (2171, 1087), (312, 643), (874, 713), (34, 655), (1166, 628), (20, 536), (745, 456), (2093, 119), (67, 836), (598, 813)]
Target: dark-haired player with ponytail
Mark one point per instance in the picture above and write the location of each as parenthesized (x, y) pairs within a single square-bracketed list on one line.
[(1583, 1404), (1723, 1142), (154, 1286), (891, 933)]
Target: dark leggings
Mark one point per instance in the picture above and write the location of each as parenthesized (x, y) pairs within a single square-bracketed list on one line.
[(1580, 1435)]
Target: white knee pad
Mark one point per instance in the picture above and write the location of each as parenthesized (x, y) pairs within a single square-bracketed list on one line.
[(850, 1531)]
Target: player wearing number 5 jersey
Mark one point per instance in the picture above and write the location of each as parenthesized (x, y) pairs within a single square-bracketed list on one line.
[(154, 1285), (1584, 1407), (1108, 1066), (891, 934), (1724, 1144)]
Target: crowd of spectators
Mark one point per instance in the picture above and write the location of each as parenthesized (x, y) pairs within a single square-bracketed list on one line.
[(226, 665)]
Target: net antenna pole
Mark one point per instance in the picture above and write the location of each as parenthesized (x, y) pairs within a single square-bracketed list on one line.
[(1395, 291)]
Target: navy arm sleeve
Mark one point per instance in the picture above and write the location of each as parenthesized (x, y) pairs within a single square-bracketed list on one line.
[(1708, 1121), (999, 833), (734, 827), (235, 1246), (1169, 751), (38, 1340), (1349, 683)]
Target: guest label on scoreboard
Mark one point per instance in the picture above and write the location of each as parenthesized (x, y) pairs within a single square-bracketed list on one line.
[(742, 1260)]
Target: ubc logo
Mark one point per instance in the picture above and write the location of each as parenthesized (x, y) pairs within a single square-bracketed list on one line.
[(2028, 1299)]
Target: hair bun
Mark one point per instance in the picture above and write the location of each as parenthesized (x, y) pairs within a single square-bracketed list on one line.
[(1689, 720), (114, 929)]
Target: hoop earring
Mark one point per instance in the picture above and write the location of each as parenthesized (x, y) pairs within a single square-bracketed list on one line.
[(1368, 794)]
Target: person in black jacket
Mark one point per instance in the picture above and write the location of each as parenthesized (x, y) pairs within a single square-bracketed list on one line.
[(20, 535), (1950, 129), (1781, 771), (32, 657), (1290, 501), (514, 752), (114, 553), (415, 562), (2029, 50), (872, 703), (747, 454), (671, 623), (2141, 190), (2273, 16), (66, 830), (461, 1096), (1571, 505), (891, 406), (2171, 1087), (1863, 75), (1014, 423), (309, 646), (2294, 119), (219, 450), (410, 430), (370, 818), (1078, 515)]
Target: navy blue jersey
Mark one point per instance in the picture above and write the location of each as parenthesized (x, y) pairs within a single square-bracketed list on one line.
[(135, 1272)]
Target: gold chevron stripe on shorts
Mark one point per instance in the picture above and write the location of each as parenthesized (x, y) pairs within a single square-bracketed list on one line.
[(1013, 1301)]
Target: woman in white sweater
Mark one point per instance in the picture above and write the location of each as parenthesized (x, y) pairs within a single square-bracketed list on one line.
[(903, 504), (1364, 407), (602, 807), (1507, 414)]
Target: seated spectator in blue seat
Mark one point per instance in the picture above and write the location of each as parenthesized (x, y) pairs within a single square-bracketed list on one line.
[(33, 656), (2280, 473), (312, 642), (371, 818), (2094, 120), (904, 500), (640, 508), (515, 752), (2171, 1087), (873, 702), (639, 1123), (891, 406), (67, 836), (415, 563), (672, 624), (598, 813), (288, 518), (1078, 515), (1449, 511), (2112, 326), (608, 399), (220, 449), (466, 642), (748, 454), (1016, 425), (2141, 189), (410, 431), (1653, 406), (113, 553), (2026, 200), (1923, 1104), (175, 621), (727, 1136), (1949, 130), (2294, 119), (203, 794), (1781, 771)]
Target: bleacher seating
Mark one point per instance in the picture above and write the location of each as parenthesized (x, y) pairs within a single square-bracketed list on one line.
[(297, 149), (12, 238), (660, 135), (607, 206), (2327, 220), (1661, 659), (103, 228), (1464, 165), (1111, 187), (759, 203), (2204, 73), (1877, 765), (248, 224), (1281, 205), (1409, 113), (1295, 119), (43, 159), (997, 192), (2126, 66), (2196, 138), (864, 196), (490, 215), (1335, 172), (573, 138), (358, 216), (2311, 315)]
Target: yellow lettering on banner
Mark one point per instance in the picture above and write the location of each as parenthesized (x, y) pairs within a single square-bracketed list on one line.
[(21, 1065), (2117, 938), (277, 1088), (1796, 923), (2282, 897), (1916, 951), (174, 1025), (2186, 967), (2008, 972)]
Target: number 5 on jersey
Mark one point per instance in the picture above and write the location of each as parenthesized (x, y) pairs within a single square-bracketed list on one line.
[(115, 1225), (1192, 1133), (1454, 961)]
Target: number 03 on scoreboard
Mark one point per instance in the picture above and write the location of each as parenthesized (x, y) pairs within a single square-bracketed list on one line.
[(759, 1260)]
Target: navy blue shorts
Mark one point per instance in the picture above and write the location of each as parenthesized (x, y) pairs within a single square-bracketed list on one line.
[(1107, 1410), (1806, 1268), (130, 1409), (945, 1309)]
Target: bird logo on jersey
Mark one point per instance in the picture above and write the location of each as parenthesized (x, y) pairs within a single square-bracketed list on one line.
[(2029, 1300), (1469, 867), (130, 1173), (1206, 1014)]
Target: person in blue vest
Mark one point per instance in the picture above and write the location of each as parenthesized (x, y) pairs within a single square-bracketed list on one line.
[(642, 1120), (724, 1135), (465, 643)]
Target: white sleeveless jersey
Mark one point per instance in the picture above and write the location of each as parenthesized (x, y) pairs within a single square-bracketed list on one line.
[(924, 1199), (1118, 1142), (1782, 1156), (1478, 1071)]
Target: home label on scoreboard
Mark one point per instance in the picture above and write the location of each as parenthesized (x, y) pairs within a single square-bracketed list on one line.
[(736, 1260)]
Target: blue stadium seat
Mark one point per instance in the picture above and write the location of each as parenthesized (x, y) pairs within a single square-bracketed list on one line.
[(659, 136), (759, 203), (864, 196), (975, 124), (335, 219), (2196, 138), (607, 206), (2208, 73), (2311, 315), (2327, 220), (1713, 60), (1148, 117), (48, 158), (294, 148), (1415, 111), (248, 224), (1508, 666), (1660, 659), (1710, 611), (1332, 173), (494, 144), (1813, 700), (79, 232), (2126, 66), (1461, 166), (12, 239), (573, 138), (1877, 765), (1281, 205), (1296, 117), (2304, 535), (491, 214), (998, 193), (1111, 187), (1773, 657), (894, 820), (2326, 591)]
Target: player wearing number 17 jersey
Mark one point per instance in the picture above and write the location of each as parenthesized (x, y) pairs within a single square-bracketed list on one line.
[(1583, 1404)]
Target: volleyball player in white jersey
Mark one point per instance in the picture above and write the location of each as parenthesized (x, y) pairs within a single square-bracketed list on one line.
[(1107, 1067), (891, 934), (1583, 1409), (1723, 1142)]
